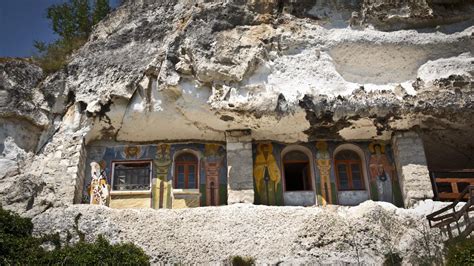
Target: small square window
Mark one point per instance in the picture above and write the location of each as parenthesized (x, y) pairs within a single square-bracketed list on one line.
[(131, 176)]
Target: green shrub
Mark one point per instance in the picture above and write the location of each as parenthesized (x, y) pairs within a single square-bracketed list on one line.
[(460, 252), (72, 21), (18, 246), (54, 56), (101, 252), (242, 261), (392, 259)]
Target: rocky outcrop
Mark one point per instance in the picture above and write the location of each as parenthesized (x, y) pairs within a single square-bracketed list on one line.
[(395, 15), (365, 234), (289, 71), (22, 104), (202, 69), (38, 153), (18, 93)]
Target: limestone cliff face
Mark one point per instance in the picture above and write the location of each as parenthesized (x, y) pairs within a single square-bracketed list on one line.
[(288, 70), (284, 70)]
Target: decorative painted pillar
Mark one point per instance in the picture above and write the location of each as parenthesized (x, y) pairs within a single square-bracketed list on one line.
[(212, 164), (412, 168), (161, 187), (239, 166), (323, 161)]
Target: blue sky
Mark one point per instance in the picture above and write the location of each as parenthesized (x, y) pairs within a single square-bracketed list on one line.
[(22, 22)]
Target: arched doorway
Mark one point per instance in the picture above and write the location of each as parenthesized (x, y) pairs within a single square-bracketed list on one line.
[(298, 175)]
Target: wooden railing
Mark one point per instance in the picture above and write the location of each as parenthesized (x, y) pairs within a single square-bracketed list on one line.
[(448, 184), (454, 216)]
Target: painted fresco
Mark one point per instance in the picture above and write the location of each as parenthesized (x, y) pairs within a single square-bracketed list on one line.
[(384, 185), (161, 187), (212, 163), (324, 186), (380, 172), (269, 167), (99, 190), (267, 176), (212, 188), (213, 159)]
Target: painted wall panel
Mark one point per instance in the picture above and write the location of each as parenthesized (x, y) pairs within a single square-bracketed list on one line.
[(212, 164), (381, 184)]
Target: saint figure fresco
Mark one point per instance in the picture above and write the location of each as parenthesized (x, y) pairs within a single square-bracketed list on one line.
[(99, 189), (381, 173), (267, 174), (323, 161)]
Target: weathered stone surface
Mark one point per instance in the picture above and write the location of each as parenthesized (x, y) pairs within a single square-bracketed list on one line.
[(193, 70), (393, 15), (19, 96), (239, 167), (271, 67), (412, 167), (362, 234)]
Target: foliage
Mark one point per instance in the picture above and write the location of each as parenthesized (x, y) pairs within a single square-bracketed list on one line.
[(101, 252), (16, 242), (53, 57), (101, 10), (73, 22), (460, 252), (18, 246), (242, 261), (429, 250), (392, 259)]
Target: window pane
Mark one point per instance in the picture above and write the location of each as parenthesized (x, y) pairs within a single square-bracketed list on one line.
[(356, 177), (186, 157), (180, 180), (186, 176), (191, 177), (131, 176), (347, 155), (343, 178)]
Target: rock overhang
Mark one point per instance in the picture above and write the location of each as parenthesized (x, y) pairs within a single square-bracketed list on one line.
[(190, 73)]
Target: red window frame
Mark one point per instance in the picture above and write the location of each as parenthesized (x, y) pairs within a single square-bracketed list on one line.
[(186, 165), (348, 164)]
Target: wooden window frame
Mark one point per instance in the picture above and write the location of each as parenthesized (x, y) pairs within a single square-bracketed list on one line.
[(130, 162), (186, 165), (347, 164)]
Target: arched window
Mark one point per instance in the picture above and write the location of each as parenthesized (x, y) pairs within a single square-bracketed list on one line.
[(297, 172), (349, 171), (186, 171)]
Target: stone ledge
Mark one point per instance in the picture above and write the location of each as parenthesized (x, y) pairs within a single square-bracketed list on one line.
[(240, 196)]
